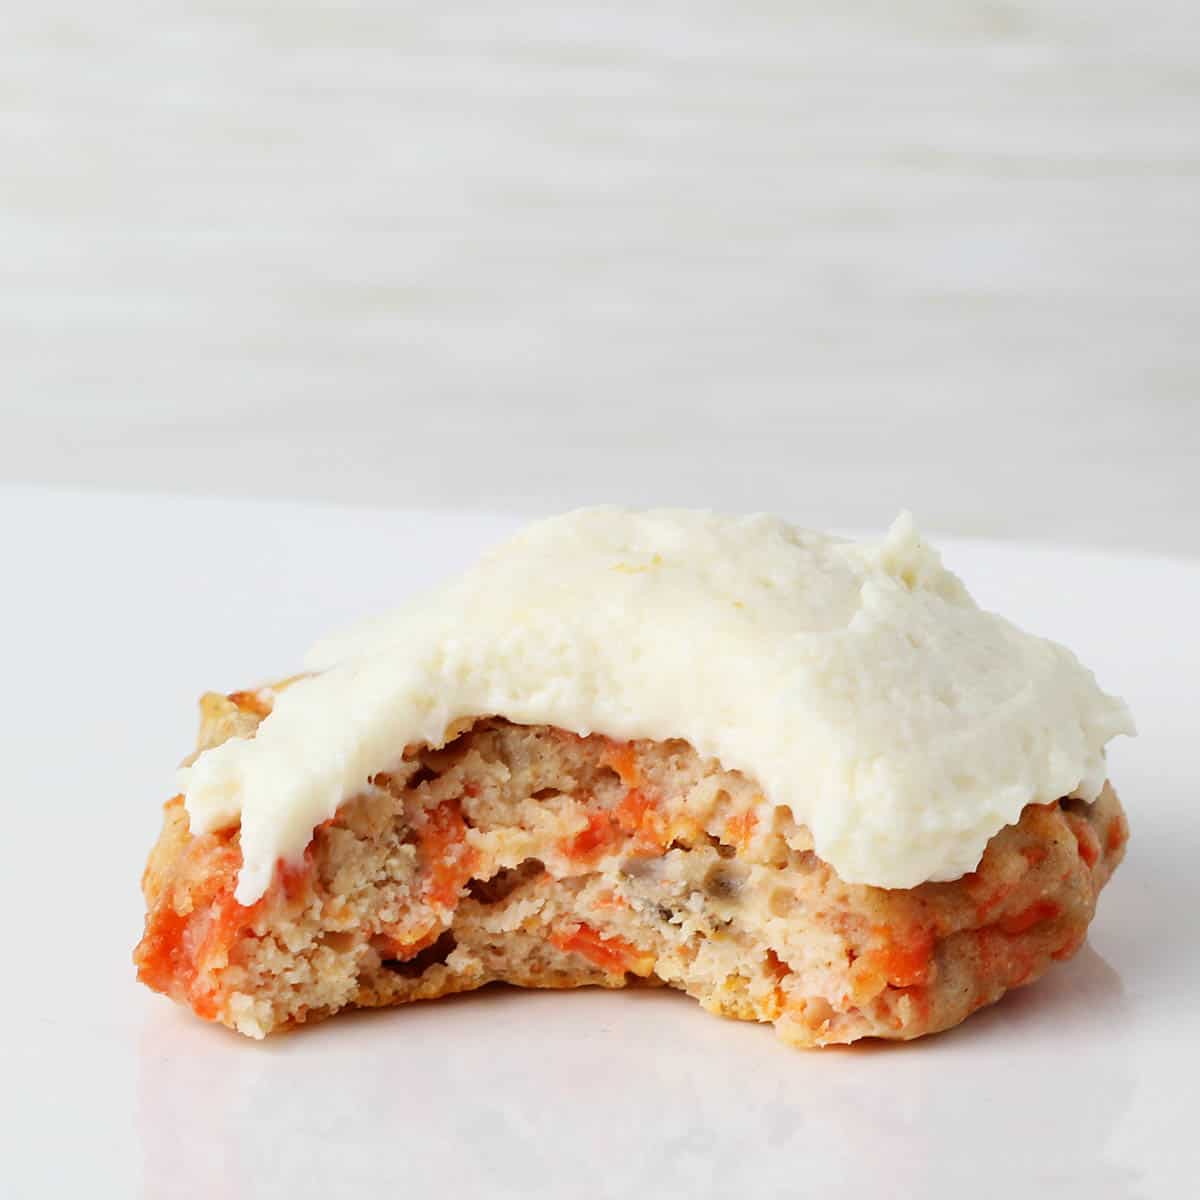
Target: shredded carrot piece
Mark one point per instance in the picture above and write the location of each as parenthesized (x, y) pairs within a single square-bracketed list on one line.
[(1027, 918), (906, 957), (449, 860), (612, 954), (178, 950), (250, 702), (740, 828), (591, 841), (776, 966), (988, 905), (630, 813), (622, 758), (1117, 835), (1085, 836), (637, 815)]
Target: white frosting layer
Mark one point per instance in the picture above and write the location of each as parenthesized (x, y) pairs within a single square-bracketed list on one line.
[(860, 685)]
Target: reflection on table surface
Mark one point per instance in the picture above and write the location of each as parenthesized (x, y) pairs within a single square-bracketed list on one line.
[(562, 1094)]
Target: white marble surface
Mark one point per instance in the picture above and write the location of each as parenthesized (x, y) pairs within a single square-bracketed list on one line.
[(826, 259), (1083, 1086)]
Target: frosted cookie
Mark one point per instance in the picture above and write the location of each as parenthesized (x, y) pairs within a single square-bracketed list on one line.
[(806, 781)]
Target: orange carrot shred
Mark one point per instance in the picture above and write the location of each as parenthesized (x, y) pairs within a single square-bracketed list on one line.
[(1117, 834), (1034, 855), (623, 759), (1085, 837), (589, 842), (740, 828), (905, 959), (612, 954), (250, 702), (450, 862), (1027, 918)]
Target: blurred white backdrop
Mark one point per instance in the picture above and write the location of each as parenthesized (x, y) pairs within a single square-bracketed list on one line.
[(824, 259)]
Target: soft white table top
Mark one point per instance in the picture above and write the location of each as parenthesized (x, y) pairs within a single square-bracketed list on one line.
[(119, 610)]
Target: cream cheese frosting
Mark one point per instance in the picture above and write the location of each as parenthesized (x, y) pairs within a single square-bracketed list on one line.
[(858, 684)]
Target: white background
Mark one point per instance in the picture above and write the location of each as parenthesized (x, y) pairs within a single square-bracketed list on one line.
[(827, 259)]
